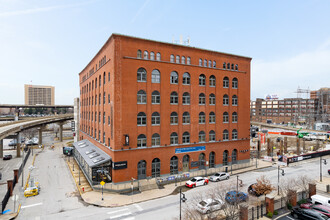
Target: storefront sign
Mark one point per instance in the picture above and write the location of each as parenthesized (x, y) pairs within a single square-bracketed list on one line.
[(189, 149), (119, 165)]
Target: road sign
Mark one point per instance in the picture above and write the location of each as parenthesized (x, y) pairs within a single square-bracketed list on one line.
[(102, 183), (73, 128)]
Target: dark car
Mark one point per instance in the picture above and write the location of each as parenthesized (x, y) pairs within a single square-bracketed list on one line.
[(7, 157), (329, 171), (252, 190), (325, 210), (236, 197), (307, 214)]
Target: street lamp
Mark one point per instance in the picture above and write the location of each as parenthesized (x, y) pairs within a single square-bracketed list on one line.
[(325, 163), (278, 179), (182, 199)]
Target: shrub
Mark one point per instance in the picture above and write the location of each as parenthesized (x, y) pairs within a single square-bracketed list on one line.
[(303, 201), (275, 212), (270, 215), (289, 206)]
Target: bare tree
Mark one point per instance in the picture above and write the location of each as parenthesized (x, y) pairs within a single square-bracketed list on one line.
[(29, 133), (263, 186), (302, 183)]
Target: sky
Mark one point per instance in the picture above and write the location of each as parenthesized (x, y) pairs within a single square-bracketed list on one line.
[(48, 42)]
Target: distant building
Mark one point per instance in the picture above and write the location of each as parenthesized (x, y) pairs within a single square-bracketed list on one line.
[(294, 110), (323, 107), (39, 95)]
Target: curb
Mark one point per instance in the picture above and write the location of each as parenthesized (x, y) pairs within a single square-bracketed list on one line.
[(18, 210), (75, 180)]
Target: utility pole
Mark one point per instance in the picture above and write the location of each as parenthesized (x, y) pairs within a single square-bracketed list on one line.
[(325, 163)]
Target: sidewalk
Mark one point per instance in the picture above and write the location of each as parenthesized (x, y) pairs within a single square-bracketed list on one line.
[(116, 199)]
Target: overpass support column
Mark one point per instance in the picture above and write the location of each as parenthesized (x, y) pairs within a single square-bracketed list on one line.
[(1, 148), (61, 131), (18, 146), (40, 134)]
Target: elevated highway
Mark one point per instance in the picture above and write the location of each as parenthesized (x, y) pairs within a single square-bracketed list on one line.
[(14, 128), (272, 126)]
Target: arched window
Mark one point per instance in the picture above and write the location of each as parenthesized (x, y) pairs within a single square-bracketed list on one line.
[(103, 98), (174, 118), (183, 60), (224, 65), (109, 76), (212, 160), (152, 55), (172, 58), (141, 75), (228, 66), (186, 138), (186, 79), (202, 80), (225, 117), (235, 83), (201, 161), (225, 135), (141, 168), (234, 134), (108, 98), (104, 78), (212, 99), (95, 82), (155, 118), (201, 100), (186, 98), (225, 82), (200, 62), (212, 118), (141, 141), (234, 100), (214, 64), (174, 77), (186, 118), (205, 63), (201, 136), (177, 59), (145, 55), (155, 97), (225, 158), (212, 81), (155, 140), (158, 57), (139, 54), (211, 136), (174, 99), (155, 168), (210, 63), (174, 165), (174, 138), (225, 99), (185, 163), (155, 76), (141, 119), (141, 97), (188, 60), (236, 67), (234, 117), (201, 118), (232, 66), (234, 157)]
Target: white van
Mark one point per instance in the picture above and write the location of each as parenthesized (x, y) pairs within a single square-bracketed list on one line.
[(320, 200)]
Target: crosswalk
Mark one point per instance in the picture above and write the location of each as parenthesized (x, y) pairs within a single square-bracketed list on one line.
[(125, 213)]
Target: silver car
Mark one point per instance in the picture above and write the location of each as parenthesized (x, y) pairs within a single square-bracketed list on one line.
[(209, 205), (219, 176)]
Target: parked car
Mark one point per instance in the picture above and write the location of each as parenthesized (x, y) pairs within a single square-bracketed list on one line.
[(197, 181), (14, 142), (209, 205), (320, 200), (251, 190), (236, 197), (32, 141), (329, 171), (300, 213), (219, 176), (325, 210), (7, 157)]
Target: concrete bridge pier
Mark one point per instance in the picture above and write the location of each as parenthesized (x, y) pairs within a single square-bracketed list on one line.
[(1, 148), (18, 146), (61, 130), (40, 129)]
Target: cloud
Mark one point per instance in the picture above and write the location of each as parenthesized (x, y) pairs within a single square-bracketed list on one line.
[(40, 9), (308, 70), (140, 11)]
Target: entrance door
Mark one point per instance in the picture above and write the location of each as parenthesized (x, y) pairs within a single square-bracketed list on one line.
[(201, 160), (185, 163), (142, 169)]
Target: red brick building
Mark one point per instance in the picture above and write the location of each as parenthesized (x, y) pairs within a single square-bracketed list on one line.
[(158, 108)]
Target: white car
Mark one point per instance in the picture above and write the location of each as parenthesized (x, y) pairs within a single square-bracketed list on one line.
[(219, 176), (197, 181), (209, 205)]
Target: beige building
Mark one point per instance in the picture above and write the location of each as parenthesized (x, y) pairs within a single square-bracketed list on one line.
[(39, 95)]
